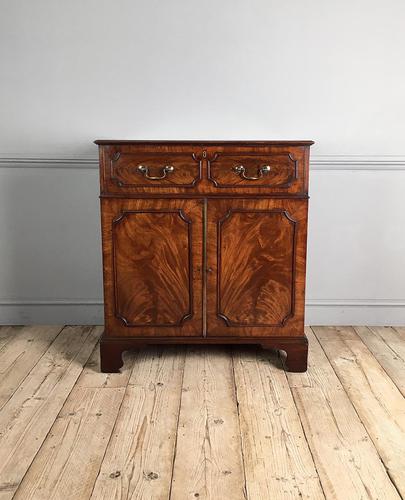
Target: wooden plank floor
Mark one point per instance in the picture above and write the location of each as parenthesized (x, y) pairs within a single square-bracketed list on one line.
[(218, 423)]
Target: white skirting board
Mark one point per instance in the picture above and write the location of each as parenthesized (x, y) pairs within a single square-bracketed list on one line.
[(92, 314), (56, 313), (355, 313)]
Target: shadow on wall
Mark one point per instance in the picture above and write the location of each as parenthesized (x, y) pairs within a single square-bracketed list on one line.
[(50, 250)]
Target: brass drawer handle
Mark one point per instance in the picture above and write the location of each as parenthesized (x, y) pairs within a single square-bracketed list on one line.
[(168, 169), (240, 169)]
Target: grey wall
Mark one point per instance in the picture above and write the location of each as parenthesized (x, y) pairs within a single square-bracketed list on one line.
[(185, 69)]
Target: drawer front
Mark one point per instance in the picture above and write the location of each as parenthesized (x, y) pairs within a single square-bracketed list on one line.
[(272, 171), (127, 170), (203, 169)]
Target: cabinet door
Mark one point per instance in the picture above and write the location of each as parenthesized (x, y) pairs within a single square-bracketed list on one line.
[(256, 267), (152, 253)]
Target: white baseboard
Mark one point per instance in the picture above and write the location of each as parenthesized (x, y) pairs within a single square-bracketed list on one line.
[(58, 312), (90, 312), (355, 312)]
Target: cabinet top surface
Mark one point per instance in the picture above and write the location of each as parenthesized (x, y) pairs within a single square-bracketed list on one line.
[(105, 142)]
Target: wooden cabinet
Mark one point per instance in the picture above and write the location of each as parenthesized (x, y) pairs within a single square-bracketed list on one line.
[(204, 243)]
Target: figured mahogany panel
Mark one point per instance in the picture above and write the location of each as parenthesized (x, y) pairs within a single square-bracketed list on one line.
[(256, 267), (253, 170), (152, 266)]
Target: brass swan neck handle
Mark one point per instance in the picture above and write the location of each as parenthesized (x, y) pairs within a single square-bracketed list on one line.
[(261, 171), (168, 169)]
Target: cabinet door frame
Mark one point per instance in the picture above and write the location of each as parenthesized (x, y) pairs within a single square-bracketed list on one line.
[(116, 212), (220, 212)]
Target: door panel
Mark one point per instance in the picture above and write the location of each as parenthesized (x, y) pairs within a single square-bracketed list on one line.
[(256, 267), (152, 265)]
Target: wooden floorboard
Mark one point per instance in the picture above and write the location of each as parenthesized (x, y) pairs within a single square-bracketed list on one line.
[(377, 400), (208, 461), (8, 333), (202, 422), (65, 468), (139, 460), (17, 358), (347, 462), (388, 347), (278, 461), (28, 415)]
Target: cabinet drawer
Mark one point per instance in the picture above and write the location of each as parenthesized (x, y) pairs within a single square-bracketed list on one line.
[(203, 168), (254, 170), (127, 170)]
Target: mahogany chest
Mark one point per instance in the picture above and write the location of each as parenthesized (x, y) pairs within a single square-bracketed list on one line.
[(204, 242)]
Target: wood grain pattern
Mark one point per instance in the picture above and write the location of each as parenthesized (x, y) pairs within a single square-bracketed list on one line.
[(388, 346), (283, 170), (55, 427), (152, 253), (278, 461), (17, 358), (208, 460), (124, 169), (237, 271), (345, 457), (152, 259), (256, 255), (139, 458), (28, 415), (377, 400), (8, 333), (203, 168), (63, 467)]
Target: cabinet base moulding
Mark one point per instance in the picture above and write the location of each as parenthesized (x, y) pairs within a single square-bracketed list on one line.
[(111, 349)]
